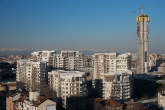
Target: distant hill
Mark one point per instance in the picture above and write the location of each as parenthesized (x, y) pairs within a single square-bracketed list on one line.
[(15, 51)]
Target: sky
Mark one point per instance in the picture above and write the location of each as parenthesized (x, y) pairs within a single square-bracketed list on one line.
[(79, 24)]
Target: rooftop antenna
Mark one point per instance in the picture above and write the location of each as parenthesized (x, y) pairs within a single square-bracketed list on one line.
[(141, 8)]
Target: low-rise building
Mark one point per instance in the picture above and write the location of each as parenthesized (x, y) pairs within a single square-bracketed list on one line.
[(31, 101)]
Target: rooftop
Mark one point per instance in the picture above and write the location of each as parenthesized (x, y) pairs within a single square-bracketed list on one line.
[(143, 15), (109, 102), (66, 73), (40, 100)]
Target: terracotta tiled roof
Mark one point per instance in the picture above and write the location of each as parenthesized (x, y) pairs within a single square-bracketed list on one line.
[(113, 103), (12, 84), (11, 94), (108, 102), (40, 100), (99, 99), (9, 84), (22, 97), (131, 102)]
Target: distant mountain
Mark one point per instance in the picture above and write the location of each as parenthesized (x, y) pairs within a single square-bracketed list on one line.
[(15, 51)]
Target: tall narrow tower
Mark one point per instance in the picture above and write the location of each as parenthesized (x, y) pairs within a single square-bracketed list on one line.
[(142, 32)]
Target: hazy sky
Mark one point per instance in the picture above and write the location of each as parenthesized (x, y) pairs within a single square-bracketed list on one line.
[(78, 24)]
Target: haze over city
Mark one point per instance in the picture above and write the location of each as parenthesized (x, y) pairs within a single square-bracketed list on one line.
[(82, 55), (79, 24)]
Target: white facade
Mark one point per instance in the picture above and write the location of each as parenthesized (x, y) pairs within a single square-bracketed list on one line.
[(46, 56), (67, 83), (161, 99), (107, 63), (69, 60), (31, 74), (117, 85)]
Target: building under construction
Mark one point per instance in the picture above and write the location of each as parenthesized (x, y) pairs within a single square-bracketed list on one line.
[(142, 32)]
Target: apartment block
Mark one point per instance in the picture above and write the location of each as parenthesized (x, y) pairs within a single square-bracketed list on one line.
[(46, 56), (66, 59), (31, 74), (69, 60), (154, 62), (107, 63), (67, 83), (116, 85), (161, 67)]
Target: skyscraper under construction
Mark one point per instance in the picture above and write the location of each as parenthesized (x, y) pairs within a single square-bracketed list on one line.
[(142, 32)]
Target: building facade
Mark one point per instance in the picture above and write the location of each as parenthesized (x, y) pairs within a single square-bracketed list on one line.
[(31, 74), (161, 99), (46, 56), (118, 86), (67, 83), (107, 63), (69, 60), (142, 32), (66, 59)]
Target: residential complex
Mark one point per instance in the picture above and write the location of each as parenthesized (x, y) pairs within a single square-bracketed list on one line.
[(31, 74), (68, 79), (67, 83), (66, 59)]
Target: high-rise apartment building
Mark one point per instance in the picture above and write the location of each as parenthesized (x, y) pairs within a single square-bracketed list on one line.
[(46, 55), (142, 32), (107, 63), (69, 60), (67, 83), (161, 68), (154, 62), (117, 85), (31, 74)]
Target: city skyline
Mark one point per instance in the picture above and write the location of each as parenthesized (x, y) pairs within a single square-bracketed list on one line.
[(78, 24)]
